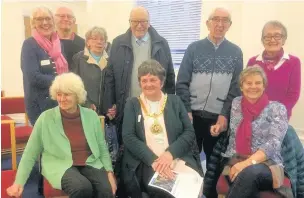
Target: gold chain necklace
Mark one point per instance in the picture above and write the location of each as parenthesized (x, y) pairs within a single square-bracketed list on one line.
[(155, 128)]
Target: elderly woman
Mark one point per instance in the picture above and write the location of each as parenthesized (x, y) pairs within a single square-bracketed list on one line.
[(90, 65), (71, 141), (252, 161), (283, 70), (157, 134), (41, 61)]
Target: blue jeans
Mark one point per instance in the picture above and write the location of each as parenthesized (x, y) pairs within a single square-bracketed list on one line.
[(251, 181)]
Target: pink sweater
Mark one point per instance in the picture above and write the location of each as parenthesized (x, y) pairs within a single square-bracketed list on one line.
[(284, 83)]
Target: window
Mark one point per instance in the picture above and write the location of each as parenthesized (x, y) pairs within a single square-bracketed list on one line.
[(178, 21)]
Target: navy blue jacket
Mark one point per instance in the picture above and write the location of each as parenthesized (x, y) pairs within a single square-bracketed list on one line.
[(118, 72), (38, 73)]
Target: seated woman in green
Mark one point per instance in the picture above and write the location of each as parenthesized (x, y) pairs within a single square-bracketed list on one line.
[(70, 140)]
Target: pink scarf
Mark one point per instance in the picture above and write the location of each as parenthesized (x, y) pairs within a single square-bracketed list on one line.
[(271, 61), (53, 48), (244, 132)]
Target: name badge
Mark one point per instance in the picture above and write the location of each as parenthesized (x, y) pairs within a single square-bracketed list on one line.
[(45, 62)]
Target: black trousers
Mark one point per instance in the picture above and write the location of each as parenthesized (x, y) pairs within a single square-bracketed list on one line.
[(86, 181), (144, 174), (251, 181), (203, 136)]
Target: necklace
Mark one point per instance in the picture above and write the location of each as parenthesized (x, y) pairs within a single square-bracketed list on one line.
[(155, 128)]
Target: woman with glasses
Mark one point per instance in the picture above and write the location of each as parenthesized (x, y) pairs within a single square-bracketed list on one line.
[(41, 61), (89, 64), (282, 69)]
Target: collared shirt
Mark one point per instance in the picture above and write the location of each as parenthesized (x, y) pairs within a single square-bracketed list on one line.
[(278, 65), (216, 46), (142, 40)]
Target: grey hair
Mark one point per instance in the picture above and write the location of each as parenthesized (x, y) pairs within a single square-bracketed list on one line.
[(97, 30), (39, 9), (69, 83), (278, 24), (254, 70), (219, 8), (152, 67)]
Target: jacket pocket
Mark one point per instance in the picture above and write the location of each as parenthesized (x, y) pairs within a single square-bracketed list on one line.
[(221, 100)]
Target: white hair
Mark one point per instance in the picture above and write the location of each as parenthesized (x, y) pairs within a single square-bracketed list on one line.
[(39, 9), (219, 8), (69, 83)]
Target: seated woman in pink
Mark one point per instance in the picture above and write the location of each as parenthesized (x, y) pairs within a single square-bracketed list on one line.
[(282, 69)]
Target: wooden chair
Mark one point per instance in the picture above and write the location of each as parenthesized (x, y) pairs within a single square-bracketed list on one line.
[(48, 190), (8, 142), (16, 105)]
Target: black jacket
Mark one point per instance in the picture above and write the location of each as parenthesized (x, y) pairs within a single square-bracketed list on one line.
[(118, 74), (72, 47), (181, 139)]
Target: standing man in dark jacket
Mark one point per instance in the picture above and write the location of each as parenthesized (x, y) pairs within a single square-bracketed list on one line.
[(72, 43), (207, 79), (140, 43)]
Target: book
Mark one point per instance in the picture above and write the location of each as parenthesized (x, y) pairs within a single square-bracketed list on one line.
[(184, 185)]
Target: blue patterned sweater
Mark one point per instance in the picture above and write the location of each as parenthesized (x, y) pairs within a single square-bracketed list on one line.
[(208, 77)]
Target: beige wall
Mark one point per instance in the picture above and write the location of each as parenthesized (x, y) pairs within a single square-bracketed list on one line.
[(12, 29), (248, 19)]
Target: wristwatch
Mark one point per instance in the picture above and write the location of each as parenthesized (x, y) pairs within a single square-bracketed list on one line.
[(253, 162)]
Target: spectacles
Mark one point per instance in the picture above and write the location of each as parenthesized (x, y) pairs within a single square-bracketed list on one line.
[(136, 22), (217, 20), (276, 37), (41, 19), (63, 16), (102, 41)]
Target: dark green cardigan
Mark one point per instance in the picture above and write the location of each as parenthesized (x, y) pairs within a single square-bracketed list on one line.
[(181, 137)]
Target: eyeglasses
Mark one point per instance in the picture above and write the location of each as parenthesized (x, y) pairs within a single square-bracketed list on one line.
[(136, 22), (102, 41), (41, 19), (224, 20), (63, 16), (276, 37)]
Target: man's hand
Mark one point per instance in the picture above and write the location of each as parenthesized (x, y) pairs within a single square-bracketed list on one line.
[(112, 112), (215, 130), (223, 122)]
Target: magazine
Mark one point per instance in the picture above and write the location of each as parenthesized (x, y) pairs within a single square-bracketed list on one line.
[(184, 185)]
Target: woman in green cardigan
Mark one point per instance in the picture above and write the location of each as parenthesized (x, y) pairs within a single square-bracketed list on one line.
[(70, 139), (157, 134)]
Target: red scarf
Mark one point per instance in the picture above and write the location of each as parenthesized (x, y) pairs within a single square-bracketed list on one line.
[(271, 61), (244, 132), (53, 48)]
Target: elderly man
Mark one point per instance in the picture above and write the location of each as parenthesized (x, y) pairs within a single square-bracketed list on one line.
[(65, 20), (207, 79), (140, 43)]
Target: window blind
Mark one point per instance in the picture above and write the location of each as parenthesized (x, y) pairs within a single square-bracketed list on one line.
[(178, 21)]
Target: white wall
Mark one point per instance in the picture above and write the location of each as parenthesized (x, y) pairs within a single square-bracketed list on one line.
[(248, 18)]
